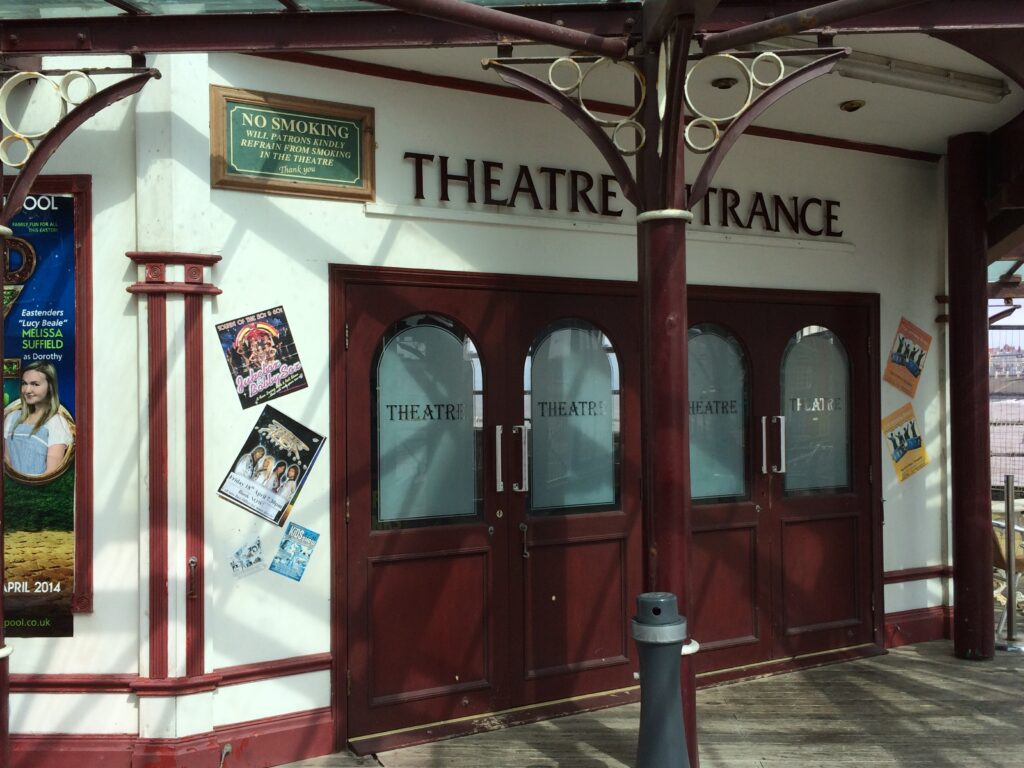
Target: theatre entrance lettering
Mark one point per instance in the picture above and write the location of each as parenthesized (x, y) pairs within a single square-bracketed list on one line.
[(781, 456), (494, 535)]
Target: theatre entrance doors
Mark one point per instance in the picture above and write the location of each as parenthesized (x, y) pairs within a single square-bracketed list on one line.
[(491, 439), (783, 460)]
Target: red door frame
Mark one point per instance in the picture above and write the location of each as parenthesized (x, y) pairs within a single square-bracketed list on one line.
[(339, 278)]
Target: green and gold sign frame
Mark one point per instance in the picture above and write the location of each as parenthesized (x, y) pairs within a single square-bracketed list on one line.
[(286, 145)]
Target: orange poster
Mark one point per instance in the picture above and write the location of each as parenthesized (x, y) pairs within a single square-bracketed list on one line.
[(906, 358), (904, 442)]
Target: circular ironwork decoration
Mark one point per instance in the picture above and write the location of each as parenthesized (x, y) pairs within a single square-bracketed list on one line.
[(574, 89), (71, 90), (747, 78)]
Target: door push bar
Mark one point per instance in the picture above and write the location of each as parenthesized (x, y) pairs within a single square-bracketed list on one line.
[(524, 485), (779, 468), (499, 485)]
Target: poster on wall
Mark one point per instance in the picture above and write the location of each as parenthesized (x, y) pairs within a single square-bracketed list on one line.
[(248, 559), (905, 444), (261, 356), (294, 551), (272, 466), (906, 358), (39, 418)]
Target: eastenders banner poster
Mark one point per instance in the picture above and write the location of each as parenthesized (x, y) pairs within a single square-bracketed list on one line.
[(905, 444), (906, 358), (39, 418), (261, 356), (272, 466)]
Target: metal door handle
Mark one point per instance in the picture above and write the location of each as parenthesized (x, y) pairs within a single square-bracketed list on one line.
[(499, 485), (764, 445), (524, 485), (526, 548), (781, 468), (193, 563)]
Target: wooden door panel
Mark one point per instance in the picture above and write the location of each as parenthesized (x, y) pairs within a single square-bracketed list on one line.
[(451, 625), (821, 579), (725, 567), (575, 596)]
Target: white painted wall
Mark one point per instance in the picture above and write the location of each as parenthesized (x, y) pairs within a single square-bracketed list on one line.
[(149, 159)]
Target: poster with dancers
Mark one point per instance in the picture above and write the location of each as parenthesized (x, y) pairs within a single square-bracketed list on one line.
[(904, 442), (269, 471), (261, 356), (907, 356)]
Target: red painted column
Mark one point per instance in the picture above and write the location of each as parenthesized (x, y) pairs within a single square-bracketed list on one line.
[(973, 628), (157, 288)]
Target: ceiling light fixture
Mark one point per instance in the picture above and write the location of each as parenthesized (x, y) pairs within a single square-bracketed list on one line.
[(902, 74)]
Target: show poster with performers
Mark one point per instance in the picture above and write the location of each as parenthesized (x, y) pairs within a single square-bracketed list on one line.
[(906, 358), (261, 356), (39, 418), (272, 466), (904, 442)]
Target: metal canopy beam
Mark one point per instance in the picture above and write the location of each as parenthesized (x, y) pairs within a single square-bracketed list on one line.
[(285, 31), (931, 16), (799, 21)]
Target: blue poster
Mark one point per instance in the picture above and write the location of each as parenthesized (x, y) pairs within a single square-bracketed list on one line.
[(39, 418)]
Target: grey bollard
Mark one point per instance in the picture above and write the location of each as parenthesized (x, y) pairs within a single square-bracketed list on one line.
[(659, 632)]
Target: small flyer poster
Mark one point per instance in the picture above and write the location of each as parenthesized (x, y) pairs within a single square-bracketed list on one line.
[(906, 448), (294, 551), (248, 559), (261, 356), (272, 466), (906, 358)]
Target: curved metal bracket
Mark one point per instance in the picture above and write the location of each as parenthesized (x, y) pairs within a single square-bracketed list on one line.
[(731, 135), (583, 121), (573, 112), (62, 130)]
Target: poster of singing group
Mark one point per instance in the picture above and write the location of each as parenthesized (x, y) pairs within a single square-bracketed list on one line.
[(39, 418), (272, 466)]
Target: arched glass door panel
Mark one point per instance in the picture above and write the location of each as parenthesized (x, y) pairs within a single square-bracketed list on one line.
[(719, 391), (427, 424), (571, 398), (815, 378)]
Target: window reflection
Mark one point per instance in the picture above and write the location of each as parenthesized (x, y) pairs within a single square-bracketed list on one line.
[(719, 401), (426, 424), (571, 400), (815, 400)]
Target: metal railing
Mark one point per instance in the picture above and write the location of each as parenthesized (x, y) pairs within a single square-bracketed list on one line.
[(1008, 641)]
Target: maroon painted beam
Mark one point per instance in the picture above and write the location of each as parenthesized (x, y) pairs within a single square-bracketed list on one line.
[(287, 31), (931, 16), (799, 21), (973, 628), (482, 17)]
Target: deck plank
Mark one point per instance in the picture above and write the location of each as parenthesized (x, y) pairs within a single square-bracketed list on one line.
[(914, 707)]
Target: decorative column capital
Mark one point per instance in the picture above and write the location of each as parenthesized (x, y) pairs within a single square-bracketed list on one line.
[(156, 264)]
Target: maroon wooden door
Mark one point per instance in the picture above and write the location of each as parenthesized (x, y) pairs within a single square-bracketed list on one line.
[(576, 560), (427, 583), (493, 535), (782, 514)]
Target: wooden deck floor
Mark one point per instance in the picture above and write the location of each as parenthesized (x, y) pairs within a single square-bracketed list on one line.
[(917, 706)]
